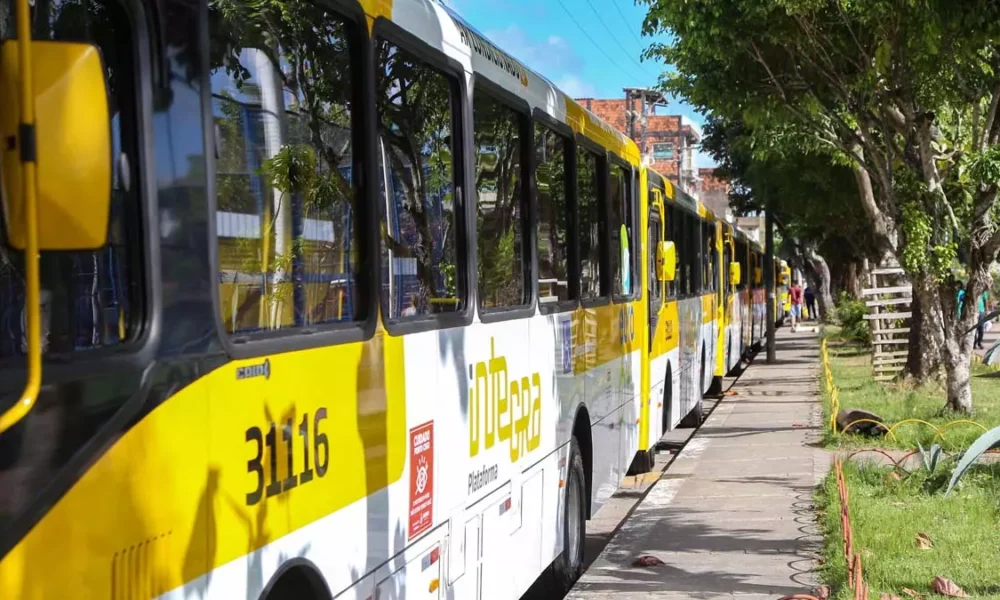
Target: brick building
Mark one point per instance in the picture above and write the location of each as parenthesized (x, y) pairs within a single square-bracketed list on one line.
[(671, 140), (714, 192)]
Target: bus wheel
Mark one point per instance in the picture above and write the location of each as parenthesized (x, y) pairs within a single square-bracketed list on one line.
[(693, 418), (716, 388), (668, 399), (297, 580), (568, 566)]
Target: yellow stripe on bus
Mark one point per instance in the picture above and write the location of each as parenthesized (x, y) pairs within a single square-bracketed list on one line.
[(169, 500)]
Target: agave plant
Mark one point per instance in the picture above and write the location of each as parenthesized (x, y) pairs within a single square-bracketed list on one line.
[(988, 440), (932, 457)]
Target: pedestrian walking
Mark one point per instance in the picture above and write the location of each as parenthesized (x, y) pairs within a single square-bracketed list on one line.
[(981, 324), (811, 304), (796, 295)]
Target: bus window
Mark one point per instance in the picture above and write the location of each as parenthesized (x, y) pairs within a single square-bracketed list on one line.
[(420, 221), (90, 299), (503, 266), (553, 216), (673, 228), (727, 257), (653, 235), (589, 218), (693, 252), (741, 257), (708, 260), (289, 251), (623, 241)]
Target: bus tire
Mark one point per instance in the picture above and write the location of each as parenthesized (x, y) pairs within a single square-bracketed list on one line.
[(297, 579), (716, 388), (668, 399), (568, 566), (694, 416)]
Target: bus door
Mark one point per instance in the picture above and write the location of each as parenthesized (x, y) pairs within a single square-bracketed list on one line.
[(660, 396), (655, 286)]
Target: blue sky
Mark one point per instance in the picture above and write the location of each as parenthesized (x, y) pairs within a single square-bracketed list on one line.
[(596, 55)]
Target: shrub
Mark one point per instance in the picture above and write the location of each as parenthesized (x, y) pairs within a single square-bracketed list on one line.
[(851, 314)]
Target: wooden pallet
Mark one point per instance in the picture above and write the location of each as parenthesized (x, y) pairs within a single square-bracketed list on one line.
[(888, 298)]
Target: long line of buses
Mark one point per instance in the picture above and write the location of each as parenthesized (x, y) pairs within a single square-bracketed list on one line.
[(330, 299)]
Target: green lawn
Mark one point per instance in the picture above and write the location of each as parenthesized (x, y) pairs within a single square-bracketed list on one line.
[(887, 514), (852, 373)]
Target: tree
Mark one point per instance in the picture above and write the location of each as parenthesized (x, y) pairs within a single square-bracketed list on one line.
[(903, 92), (813, 200)]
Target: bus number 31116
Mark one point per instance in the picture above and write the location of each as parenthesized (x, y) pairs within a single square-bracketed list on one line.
[(319, 449)]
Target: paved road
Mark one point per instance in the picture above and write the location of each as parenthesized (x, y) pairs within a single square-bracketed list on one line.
[(732, 515)]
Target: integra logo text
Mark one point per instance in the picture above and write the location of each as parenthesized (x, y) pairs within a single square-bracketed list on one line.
[(261, 370)]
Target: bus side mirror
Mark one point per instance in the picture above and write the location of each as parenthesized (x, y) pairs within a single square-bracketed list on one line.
[(734, 273), (72, 146), (666, 261)]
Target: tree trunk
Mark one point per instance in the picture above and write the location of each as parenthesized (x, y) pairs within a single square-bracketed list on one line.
[(926, 344), (958, 356), (822, 283), (853, 284), (959, 334)]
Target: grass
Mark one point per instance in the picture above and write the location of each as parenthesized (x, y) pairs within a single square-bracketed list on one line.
[(886, 516), (852, 373)]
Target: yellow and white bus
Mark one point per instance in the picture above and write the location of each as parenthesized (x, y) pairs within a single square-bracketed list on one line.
[(783, 303), (314, 300)]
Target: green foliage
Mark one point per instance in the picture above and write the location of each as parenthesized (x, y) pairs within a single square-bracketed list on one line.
[(917, 227), (931, 456), (886, 516), (292, 170), (899, 92), (851, 364), (990, 439), (851, 314), (985, 166)]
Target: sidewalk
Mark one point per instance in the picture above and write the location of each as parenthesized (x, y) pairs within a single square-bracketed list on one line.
[(732, 517)]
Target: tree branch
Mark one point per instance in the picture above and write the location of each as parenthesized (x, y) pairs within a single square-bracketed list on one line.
[(881, 223), (991, 125)]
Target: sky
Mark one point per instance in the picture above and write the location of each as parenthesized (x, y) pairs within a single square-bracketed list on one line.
[(588, 48)]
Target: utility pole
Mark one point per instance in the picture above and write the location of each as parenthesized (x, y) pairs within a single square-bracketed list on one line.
[(649, 100), (769, 281)]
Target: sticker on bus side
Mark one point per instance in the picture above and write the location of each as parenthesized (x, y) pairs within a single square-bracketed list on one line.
[(421, 478), (567, 346)]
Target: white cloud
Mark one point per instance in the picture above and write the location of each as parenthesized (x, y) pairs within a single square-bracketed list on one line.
[(550, 57), (574, 87)]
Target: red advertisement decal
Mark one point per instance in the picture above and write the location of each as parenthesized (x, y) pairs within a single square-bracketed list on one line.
[(421, 478)]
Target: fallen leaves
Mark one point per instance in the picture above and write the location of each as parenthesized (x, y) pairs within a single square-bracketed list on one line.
[(822, 592), (912, 593), (884, 596), (647, 561), (947, 587), (923, 541)]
